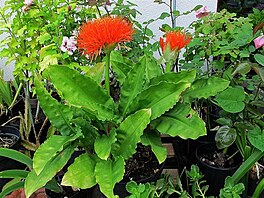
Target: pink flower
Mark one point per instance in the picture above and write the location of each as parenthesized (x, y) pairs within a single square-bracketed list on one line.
[(68, 45), (259, 42), (28, 3), (202, 12)]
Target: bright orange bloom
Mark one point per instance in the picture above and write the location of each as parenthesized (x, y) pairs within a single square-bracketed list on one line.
[(96, 35), (176, 39)]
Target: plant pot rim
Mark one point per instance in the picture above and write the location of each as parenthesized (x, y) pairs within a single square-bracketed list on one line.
[(210, 166)]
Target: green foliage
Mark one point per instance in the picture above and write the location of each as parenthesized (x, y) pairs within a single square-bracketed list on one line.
[(231, 100), (231, 190), (256, 137), (81, 173), (225, 137)]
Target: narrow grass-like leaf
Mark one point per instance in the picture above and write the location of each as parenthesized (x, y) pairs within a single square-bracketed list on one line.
[(12, 188), (15, 155), (14, 174)]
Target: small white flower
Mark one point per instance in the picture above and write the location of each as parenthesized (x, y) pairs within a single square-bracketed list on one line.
[(28, 2), (68, 45)]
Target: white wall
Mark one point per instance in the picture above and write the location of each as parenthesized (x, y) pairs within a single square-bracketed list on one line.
[(149, 10)]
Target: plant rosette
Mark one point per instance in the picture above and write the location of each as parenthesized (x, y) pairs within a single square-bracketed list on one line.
[(87, 116)]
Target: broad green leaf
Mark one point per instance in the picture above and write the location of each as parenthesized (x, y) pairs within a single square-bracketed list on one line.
[(12, 188), (231, 100), (152, 139), (256, 138), (108, 173), (96, 72), (34, 182), (133, 84), (17, 156), (242, 68), (81, 91), (44, 37), (81, 174), (259, 58), (48, 150), (14, 174), (152, 68), (183, 76), (205, 87), (181, 121), (159, 98), (121, 65), (102, 145), (58, 114), (129, 133), (225, 137), (164, 15)]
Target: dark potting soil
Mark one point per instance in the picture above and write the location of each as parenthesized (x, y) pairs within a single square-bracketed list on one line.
[(7, 141), (67, 193), (141, 165), (217, 159)]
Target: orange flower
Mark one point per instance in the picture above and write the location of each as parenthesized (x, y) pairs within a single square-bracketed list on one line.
[(106, 32), (176, 39)]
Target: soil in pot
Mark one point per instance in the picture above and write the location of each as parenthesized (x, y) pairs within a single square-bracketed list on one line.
[(142, 167), (216, 166), (256, 174), (9, 138)]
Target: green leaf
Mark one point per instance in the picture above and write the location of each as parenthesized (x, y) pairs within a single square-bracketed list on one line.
[(34, 182), (181, 121), (133, 84), (231, 100), (152, 139), (152, 67), (259, 58), (81, 174), (225, 137), (12, 188), (129, 133), (121, 65), (48, 150), (103, 144), (205, 87), (164, 15), (58, 114), (108, 173), (182, 76), (159, 98), (82, 91), (14, 174), (96, 72), (44, 37), (256, 138), (242, 68), (17, 156)]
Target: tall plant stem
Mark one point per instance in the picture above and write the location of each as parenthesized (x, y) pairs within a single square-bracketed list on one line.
[(168, 67), (107, 68)]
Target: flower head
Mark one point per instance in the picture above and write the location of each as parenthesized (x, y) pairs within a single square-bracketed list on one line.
[(259, 42), (202, 12), (28, 3), (176, 40), (101, 34), (68, 45)]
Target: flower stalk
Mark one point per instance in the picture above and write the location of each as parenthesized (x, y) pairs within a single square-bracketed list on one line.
[(107, 73)]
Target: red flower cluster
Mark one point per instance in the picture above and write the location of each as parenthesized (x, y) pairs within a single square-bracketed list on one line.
[(98, 34), (176, 39)]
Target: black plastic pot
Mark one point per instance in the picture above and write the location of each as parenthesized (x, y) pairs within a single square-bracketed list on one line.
[(215, 176), (120, 188), (7, 163)]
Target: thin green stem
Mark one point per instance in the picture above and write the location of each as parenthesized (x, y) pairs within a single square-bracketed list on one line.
[(168, 67), (107, 68)]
